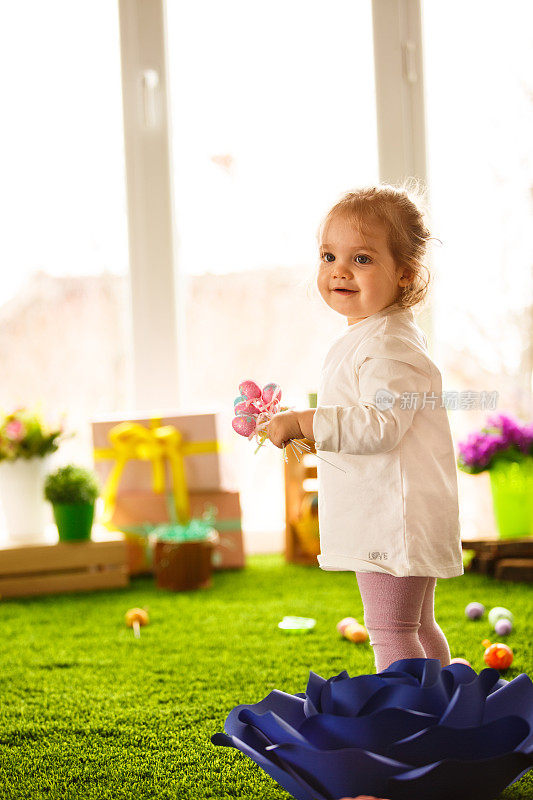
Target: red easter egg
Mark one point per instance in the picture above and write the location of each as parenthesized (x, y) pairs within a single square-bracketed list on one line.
[(244, 426), (498, 656), (271, 392), (249, 389)]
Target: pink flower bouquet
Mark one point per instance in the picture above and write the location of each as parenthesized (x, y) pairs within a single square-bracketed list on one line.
[(23, 434)]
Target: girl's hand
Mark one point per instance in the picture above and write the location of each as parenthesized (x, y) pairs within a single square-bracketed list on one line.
[(284, 426)]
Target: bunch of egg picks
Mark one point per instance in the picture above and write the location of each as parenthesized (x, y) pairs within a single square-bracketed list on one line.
[(254, 408)]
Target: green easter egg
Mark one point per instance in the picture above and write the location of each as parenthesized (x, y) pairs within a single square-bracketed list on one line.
[(497, 613)]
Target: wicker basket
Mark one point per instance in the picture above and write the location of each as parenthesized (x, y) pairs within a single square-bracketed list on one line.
[(183, 566)]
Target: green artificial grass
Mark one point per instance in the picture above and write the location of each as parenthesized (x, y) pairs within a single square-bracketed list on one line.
[(88, 711)]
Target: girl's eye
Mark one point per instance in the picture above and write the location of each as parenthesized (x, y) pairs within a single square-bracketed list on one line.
[(329, 257), (362, 262)]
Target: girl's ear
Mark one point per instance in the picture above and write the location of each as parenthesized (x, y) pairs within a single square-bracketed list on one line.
[(407, 276)]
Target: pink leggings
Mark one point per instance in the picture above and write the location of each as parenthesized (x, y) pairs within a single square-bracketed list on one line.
[(400, 619)]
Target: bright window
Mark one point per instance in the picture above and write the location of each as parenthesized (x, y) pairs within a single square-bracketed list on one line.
[(64, 304), (479, 94), (273, 117)]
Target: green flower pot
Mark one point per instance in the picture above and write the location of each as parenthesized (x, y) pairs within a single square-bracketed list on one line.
[(74, 522), (512, 496)]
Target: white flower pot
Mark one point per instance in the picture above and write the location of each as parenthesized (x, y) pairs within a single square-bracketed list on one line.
[(23, 505)]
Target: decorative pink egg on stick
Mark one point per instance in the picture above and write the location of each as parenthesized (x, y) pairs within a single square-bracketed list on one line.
[(246, 407), (244, 425), (271, 392), (250, 390)]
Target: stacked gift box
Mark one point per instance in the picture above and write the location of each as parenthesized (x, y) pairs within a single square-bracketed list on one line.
[(154, 467)]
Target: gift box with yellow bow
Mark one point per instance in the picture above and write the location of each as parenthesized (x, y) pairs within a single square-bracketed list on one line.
[(142, 461)]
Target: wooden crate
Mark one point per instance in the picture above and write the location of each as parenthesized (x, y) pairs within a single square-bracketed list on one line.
[(295, 474), (504, 559), (514, 569), (63, 567)]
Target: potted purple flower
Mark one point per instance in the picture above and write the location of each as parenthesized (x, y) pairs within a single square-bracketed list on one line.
[(504, 447)]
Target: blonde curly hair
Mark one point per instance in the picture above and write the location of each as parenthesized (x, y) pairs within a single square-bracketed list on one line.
[(401, 209)]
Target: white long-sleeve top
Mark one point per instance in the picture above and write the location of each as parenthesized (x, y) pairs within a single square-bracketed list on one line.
[(381, 418)]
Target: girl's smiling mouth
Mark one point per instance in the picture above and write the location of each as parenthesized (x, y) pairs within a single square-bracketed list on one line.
[(346, 291)]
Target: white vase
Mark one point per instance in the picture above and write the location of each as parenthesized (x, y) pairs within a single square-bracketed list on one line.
[(22, 500)]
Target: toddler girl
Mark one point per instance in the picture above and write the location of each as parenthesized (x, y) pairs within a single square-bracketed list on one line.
[(391, 515)]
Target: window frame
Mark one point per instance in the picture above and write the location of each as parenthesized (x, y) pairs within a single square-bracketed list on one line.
[(155, 278), (151, 234)]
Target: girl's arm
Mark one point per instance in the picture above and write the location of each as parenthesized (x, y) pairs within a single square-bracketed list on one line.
[(391, 392), (305, 421)]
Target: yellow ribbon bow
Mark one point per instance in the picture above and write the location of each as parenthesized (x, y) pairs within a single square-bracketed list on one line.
[(157, 443)]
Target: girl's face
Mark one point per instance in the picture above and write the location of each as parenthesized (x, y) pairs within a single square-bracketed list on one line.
[(357, 277)]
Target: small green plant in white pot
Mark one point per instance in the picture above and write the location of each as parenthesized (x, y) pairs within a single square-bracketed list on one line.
[(72, 490)]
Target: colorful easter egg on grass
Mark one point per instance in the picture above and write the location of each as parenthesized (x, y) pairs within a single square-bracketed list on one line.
[(503, 626), (474, 610), (460, 661), (250, 389), (355, 632), (271, 392), (343, 624), (244, 426), (497, 613), (246, 407), (498, 655)]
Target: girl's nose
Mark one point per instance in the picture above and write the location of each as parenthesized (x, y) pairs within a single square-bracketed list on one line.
[(340, 268)]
